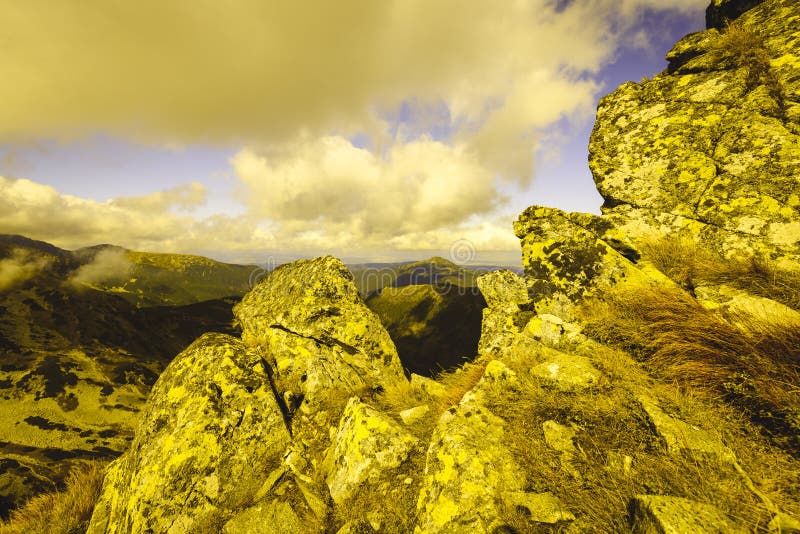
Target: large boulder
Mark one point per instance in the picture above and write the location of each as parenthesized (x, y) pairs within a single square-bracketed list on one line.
[(322, 341), (210, 434), (710, 149)]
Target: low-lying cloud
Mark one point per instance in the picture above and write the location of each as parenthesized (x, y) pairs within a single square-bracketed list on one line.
[(107, 266), (18, 267)]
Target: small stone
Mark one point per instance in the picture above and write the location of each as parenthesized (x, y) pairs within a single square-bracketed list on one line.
[(619, 463), (682, 438), (412, 415), (676, 515), (784, 524), (567, 371)]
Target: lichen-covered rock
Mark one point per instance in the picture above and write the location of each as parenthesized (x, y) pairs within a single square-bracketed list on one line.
[(367, 445), (210, 434), (710, 149), (508, 310), (567, 256), (566, 372), (318, 335), (427, 386), (676, 515), (470, 475), (284, 504), (682, 438)]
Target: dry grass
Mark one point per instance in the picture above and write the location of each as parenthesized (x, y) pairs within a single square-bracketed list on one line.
[(609, 422), (752, 363), (65, 512), (690, 266), (747, 49)]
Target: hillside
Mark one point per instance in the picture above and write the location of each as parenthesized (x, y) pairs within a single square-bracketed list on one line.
[(641, 375), (77, 363)]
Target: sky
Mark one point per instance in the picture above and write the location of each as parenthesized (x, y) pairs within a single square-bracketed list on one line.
[(253, 131)]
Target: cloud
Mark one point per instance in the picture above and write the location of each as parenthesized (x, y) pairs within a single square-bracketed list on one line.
[(420, 185), (108, 265), (20, 266), (451, 98), (185, 196), (247, 70)]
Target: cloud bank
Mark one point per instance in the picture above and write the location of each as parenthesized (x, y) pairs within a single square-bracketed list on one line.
[(20, 266), (449, 99)]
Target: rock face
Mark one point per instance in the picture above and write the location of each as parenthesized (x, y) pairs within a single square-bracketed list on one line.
[(470, 475), (710, 149), (367, 443), (210, 435)]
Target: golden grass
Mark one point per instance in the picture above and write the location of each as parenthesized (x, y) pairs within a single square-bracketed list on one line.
[(752, 363), (690, 266), (65, 512), (747, 49), (610, 422)]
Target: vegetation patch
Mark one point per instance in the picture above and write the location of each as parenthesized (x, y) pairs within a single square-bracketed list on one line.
[(64, 512), (751, 362)]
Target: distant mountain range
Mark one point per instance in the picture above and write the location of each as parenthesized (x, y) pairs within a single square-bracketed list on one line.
[(84, 334)]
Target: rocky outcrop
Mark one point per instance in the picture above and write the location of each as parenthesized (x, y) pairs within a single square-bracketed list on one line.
[(234, 430), (211, 434), (710, 149), (367, 444), (322, 341), (471, 478)]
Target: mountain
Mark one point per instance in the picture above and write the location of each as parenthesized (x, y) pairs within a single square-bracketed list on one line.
[(372, 277), (149, 279), (77, 362), (639, 376)]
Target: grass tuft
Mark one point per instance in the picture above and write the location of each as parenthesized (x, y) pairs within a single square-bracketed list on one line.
[(64, 512), (691, 266), (751, 362), (747, 49)]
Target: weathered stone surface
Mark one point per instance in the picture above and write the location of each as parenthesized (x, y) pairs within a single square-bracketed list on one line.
[(285, 503), (503, 290), (735, 302), (683, 438), (710, 150), (412, 415), (318, 334), (508, 310), (567, 256), (553, 331), (560, 438), (210, 433), (470, 475), (567, 372), (676, 515), (430, 387), (367, 445), (276, 517), (356, 527), (784, 524)]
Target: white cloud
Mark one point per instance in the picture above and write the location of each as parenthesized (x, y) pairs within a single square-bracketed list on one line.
[(18, 267), (290, 82), (108, 265)]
